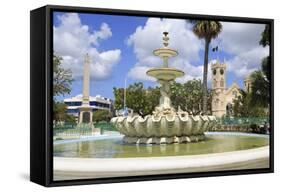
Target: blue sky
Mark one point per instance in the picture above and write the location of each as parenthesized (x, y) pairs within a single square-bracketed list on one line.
[(121, 46)]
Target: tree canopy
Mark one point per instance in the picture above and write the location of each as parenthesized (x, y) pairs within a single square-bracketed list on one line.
[(142, 101), (62, 78), (60, 114), (243, 106), (101, 115), (187, 96), (265, 36), (208, 30), (256, 102), (260, 89), (261, 78)]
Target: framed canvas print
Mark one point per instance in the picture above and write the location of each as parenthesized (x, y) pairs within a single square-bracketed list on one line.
[(126, 95)]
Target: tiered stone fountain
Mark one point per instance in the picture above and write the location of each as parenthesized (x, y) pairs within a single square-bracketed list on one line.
[(165, 125)]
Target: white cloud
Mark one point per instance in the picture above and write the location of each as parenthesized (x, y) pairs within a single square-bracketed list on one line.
[(241, 41), (104, 33), (139, 72), (149, 37), (245, 63), (240, 37), (72, 40)]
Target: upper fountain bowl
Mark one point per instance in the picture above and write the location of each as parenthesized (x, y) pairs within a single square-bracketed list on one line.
[(166, 74), (165, 52)]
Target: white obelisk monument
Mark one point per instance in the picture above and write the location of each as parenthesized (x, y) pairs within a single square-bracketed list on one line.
[(86, 114)]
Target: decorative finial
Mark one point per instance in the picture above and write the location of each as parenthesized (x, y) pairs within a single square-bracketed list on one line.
[(166, 39)]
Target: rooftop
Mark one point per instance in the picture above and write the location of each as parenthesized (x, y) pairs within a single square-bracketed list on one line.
[(98, 98)]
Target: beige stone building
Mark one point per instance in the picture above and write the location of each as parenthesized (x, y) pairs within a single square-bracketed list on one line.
[(222, 100)]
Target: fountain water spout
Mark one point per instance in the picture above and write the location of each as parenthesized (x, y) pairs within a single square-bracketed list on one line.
[(165, 75)]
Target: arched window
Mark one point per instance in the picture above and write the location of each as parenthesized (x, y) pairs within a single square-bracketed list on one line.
[(229, 109)]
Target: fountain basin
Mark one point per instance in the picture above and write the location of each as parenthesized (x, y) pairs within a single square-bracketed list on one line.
[(167, 74), (89, 168), (112, 146), (165, 52), (164, 129), (108, 156)]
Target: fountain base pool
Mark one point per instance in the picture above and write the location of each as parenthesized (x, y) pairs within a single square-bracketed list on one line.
[(108, 156), (114, 147)]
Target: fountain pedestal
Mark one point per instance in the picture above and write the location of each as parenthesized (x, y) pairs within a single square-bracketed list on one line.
[(165, 125)]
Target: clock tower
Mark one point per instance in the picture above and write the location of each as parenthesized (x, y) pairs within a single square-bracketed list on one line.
[(218, 87)]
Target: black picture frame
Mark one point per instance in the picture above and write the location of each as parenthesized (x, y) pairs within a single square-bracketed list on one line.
[(41, 140)]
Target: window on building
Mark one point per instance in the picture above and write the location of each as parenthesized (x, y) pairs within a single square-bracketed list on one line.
[(214, 72), (72, 110), (93, 103), (98, 104), (221, 71), (73, 103), (229, 109)]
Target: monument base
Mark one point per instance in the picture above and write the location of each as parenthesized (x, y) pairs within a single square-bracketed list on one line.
[(85, 115)]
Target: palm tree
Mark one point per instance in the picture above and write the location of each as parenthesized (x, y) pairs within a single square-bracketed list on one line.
[(206, 30)]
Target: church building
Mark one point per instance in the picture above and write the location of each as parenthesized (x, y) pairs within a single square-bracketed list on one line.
[(222, 98)]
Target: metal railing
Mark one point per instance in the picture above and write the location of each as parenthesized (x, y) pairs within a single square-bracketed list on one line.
[(243, 124), (105, 126), (74, 129), (243, 120)]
